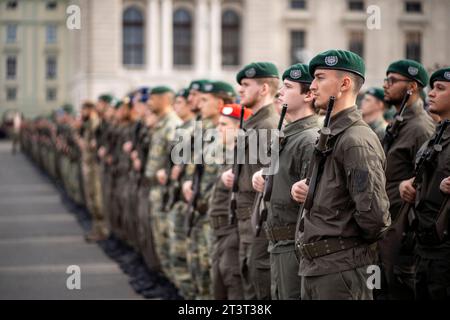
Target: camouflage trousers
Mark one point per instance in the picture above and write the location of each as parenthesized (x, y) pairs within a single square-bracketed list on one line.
[(117, 206), (70, 177), (92, 190), (198, 256), (107, 187), (160, 225), (145, 238), (179, 272), (131, 210)]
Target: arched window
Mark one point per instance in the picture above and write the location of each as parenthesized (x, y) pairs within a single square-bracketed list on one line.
[(182, 37), (133, 37), (231, 38)]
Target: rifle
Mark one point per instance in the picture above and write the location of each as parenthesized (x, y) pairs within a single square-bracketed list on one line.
[(236, 171), (268, 184), (318, 157), (392, 129), (192, 205), (406, 223)]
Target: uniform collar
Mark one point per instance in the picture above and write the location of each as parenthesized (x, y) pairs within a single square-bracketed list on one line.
[(414, 110), (300, 125), (262, 113), (208, 124), (344, 119), (446, 134), (164, 119)]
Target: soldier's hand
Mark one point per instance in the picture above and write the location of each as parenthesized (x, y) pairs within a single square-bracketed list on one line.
[(101, 152), (445, 185), (134, 155), (93, 144), (137, 164), (299, 191), (127, 146), (161, 176), (175, 172), (187, 190), (227, 178), (407, 191), (258, 181)]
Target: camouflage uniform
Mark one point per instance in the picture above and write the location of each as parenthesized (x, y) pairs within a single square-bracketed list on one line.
[(91, 176), (199, 243), (179, 272), (162, 137)]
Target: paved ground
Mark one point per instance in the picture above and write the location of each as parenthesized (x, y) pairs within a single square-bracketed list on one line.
[(40, 239)]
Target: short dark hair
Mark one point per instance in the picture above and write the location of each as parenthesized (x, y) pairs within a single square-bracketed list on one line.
[(304, 87), (357, 80), (227, 99), (273, 84), (88, 105)]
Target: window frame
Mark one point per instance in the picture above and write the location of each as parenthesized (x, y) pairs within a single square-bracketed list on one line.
[(133, 54), (8, 66), (234, 48), (188, 48)]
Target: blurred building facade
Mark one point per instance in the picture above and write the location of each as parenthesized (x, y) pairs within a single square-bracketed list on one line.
[(124, 44), (34, 55)]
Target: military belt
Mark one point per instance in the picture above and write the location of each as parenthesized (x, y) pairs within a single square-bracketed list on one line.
[(327, 246), (281, 233), (219, 222)]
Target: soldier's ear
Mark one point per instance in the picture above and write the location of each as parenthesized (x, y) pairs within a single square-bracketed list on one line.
[(346, 84), (308, 97), (413, 86)]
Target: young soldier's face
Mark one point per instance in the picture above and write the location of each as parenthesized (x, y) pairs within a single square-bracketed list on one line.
[(193, 99), (181, 107), (208, 105), (370, 105), (395, 88), (290, 94), (157, 102), (439, 98), (228, 128), (326, 83), (101, 106), (249, 90)]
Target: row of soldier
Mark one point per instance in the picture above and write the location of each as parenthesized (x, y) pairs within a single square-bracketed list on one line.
[(343, 197)]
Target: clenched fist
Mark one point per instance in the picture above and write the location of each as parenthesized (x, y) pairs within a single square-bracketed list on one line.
[(187, 190), (445, 185), (258, 181), (227, 178), (407, 191), (299, 191)]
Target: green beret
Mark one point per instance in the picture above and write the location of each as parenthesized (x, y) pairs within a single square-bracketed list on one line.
[(68, 108), (106, 98), (376, 92), (257, 70), (117, 103), (440, 75), (161, 90), (338, 60), (183, 93), (217, 87), (197, 84), (411, 69), (298, 73)]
